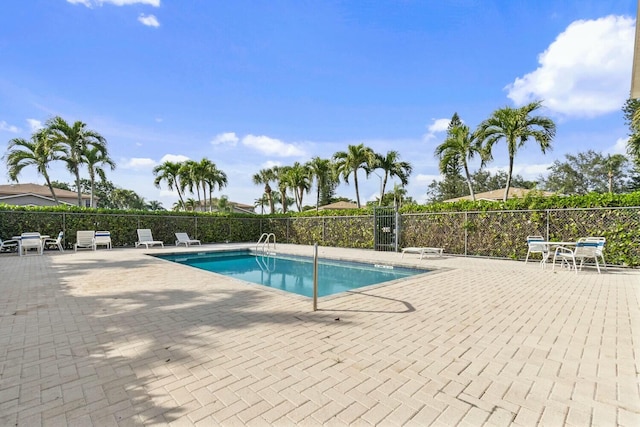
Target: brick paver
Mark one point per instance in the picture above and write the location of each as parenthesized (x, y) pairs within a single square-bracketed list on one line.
[(120, 338)]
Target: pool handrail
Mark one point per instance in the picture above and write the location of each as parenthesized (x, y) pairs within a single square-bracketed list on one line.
[(266, 243)]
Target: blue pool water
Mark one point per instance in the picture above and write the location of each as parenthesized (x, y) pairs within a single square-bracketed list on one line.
[(292, 273)]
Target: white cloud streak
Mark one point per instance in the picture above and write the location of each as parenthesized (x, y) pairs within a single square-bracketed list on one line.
[(176, 158), (35, 125), (585, 72), (138, 164), (4, 126), (92, 3), (148, 20), (272, 146), (437, 126), (227, 138)]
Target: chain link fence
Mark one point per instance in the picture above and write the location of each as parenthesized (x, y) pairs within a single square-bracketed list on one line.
[(499, 234)]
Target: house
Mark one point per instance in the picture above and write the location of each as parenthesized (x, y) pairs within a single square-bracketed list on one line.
[(498, 195), (338, 205), (235, 207), (39, 195)]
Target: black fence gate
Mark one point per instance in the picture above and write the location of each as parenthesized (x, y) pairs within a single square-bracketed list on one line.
[(386, 229)]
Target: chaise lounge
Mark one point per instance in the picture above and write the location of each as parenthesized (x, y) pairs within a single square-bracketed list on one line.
[(183, 238), (146, 238), (422, 251)]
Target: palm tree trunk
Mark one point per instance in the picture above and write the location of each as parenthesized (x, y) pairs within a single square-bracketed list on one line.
[(355, 180), (77, 172), (466, 171), (506, 189), (384, 185), (318, 197), (53, 193)]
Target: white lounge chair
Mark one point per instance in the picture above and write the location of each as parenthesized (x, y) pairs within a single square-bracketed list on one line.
[(183, 238), (422, 251), (103, 238), (57, 242), (85, 239), (9, 245), (146, 238), (30, 241)]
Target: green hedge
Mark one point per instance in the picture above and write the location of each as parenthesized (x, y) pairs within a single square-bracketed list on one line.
[(491, 229)]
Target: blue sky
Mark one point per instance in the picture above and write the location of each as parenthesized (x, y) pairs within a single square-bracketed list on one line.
[(251, 84)]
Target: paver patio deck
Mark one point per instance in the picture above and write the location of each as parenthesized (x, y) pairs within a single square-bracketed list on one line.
[(118, 338)]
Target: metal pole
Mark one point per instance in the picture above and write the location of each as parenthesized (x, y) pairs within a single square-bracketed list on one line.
[(315, 276)]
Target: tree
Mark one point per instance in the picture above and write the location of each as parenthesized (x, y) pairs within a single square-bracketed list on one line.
[(155, 205), (392, 167), (264, 177), (223, 205), (95, 157), (212, 177), (77, 140), (516, 126), (40, 151), (587, 172), (631, 111), (299, 179), (280, 173), (348, 162), (321, 171), (460, 146), (127, 199), (453, 185), (169, 172)]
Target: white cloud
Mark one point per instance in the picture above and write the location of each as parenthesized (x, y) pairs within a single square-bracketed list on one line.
[(229, 138), (270, 163), (138, 164), (425, 178), (585, 72), (438, 125), (176, 158), (9, 128), (34, 124), (148, 20), (620, 147), (91, 3), (272, 146)]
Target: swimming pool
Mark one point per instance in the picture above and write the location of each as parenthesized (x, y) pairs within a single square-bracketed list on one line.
[(293, 273)]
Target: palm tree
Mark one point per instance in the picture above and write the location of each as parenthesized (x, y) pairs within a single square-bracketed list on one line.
[(40, 151), (190, 178), (190, 204), (460, 146), (155, 205), (169, 172), (392, 166), (94, 158), (280, 173), (78, 140), (347, 162), (322, 172), (516, 126), (614, 165), (178, 206), (212, 177), (299, 179), (265, 176)]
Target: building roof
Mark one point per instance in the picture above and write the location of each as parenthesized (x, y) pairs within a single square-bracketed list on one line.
[(40, 190), (339, 205), (493, 195)]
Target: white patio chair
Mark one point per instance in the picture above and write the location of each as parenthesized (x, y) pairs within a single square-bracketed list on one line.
[(85, 239), (146, 238), (534, 246), (103, 238), (31, 240), (586, 248), (183, 238), (57, 242), (9, 245)]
